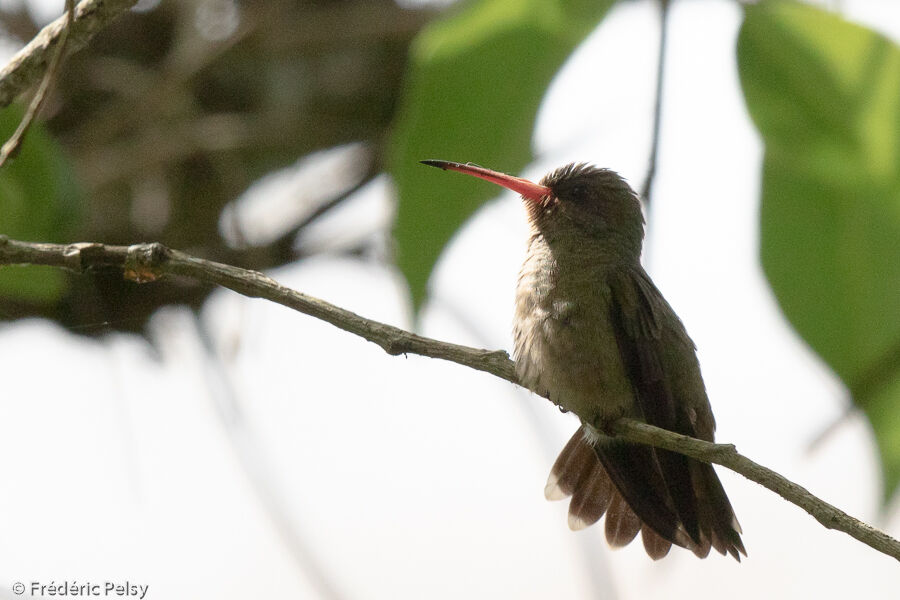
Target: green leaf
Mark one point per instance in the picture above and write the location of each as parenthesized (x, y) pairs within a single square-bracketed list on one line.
[(39, 201), (825, 95), (475, 81)]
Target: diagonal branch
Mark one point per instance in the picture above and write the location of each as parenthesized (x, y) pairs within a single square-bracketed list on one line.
[(143, 263), (30, 63), (11, 147), (727, 455)]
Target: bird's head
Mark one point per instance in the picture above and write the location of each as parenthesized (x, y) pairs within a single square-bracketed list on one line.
[(577, 203)]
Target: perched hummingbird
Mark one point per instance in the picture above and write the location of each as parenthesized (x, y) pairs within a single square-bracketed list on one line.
[(594, 335)]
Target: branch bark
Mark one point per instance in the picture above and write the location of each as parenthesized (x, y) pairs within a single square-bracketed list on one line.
[(30, 63), (11, 147), (143, 263), (727, 456)]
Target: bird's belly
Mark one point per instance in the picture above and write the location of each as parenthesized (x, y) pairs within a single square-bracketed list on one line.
[(566, 349)]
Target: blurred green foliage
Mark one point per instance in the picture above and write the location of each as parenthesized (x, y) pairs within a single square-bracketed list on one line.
[(39, 201), (825, 94), (476, 79), (158, 118), (171, 113)]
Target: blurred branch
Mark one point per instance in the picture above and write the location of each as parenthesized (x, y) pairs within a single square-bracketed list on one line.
[(877, 376), (30, 63), (657, 106), (329, 205), (143, 263), (597, 569), (17, 24), (248, 448), (832, 427), (12, 145)]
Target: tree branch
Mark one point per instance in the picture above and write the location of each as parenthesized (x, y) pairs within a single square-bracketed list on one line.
[(12, 145), (727, 455), (30, 63), (143, 263)]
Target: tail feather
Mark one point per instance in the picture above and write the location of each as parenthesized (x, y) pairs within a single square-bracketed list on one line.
[(571, 469), (719, 523), (577, 472), (622, 525), (591, 500), (635, 473), (624, 482), (656, 546), (680, 488)]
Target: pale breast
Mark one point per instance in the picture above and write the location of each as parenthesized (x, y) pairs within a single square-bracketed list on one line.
[(565, 346)]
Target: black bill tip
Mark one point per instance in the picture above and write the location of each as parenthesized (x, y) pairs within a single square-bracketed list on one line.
[(440, 164)]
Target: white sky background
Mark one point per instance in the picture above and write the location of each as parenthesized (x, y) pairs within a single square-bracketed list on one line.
[(303, 454)]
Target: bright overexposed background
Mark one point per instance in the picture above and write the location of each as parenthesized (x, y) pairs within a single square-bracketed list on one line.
[(261, 453)]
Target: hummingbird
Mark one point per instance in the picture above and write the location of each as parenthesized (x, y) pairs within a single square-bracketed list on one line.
[(594, 335)]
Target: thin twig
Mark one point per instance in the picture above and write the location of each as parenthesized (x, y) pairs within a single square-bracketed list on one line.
[(246, 444), (832, 427), (12, 144), (30, 63), (657, 107), (149, 262)]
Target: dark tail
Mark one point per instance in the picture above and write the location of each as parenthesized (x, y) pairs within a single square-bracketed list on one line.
[(719, 526), (626, 482)]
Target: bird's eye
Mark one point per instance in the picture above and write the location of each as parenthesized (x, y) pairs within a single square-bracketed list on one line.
[(578, 192)]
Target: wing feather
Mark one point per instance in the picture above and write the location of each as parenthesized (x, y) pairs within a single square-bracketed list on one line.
[(660, 360)]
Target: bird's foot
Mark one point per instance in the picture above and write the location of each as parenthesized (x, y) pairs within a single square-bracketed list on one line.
[(603, 423)]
